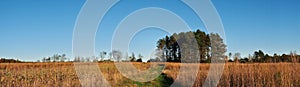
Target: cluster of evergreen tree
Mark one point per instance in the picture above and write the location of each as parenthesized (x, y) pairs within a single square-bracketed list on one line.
[(192, 46)]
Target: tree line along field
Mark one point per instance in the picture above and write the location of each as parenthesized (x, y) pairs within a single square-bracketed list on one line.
[(234, 75)]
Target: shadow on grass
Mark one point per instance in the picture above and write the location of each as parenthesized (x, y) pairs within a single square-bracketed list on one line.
[(161, 81), (164, 80)]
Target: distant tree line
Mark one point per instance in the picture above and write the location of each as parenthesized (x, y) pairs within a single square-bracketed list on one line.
[(196, 46), (3, 60), (115, 55), (55, 58), (261, 57)]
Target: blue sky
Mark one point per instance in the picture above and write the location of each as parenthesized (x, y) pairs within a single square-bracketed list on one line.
[(32, 29)]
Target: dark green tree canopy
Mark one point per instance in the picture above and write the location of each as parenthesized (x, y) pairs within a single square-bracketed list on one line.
[(191, 46)]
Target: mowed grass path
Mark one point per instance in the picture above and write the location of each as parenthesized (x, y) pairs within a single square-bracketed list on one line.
[(234, 75)]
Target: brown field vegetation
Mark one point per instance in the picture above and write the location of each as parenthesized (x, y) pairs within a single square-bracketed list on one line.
[(234, 75)]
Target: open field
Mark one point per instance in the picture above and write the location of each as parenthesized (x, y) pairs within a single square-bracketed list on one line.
[(234, 75)]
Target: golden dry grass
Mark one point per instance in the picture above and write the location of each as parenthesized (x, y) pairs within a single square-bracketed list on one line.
[(249, 75), (234, 75)]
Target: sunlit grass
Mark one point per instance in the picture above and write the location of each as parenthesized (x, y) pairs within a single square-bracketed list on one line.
[(64, 74)]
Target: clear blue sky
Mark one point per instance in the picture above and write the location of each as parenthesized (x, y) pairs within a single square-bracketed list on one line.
[(32, 29)]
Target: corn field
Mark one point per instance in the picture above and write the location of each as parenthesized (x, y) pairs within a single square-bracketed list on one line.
[(234, 75)]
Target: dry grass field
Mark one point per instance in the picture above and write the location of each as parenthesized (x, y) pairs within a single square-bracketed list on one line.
[(234, 75)]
